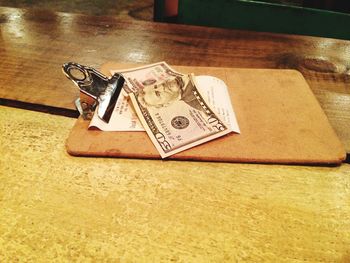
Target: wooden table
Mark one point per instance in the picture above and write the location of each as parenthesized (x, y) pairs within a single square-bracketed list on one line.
[(34, 45), (57, 207)]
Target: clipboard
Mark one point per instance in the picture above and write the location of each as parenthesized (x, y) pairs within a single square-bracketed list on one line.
[(280, 120)]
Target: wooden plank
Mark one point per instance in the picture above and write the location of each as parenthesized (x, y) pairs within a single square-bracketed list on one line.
[(34, 44)]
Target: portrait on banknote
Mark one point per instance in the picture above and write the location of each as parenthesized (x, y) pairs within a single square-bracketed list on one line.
[(163, 94)]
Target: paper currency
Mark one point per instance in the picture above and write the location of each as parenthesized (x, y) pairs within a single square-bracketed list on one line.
[(215, 93), (123, 117), (213, 90), (175, 115), (138, 78)]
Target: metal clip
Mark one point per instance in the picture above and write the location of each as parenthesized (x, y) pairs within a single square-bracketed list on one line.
[(95, 89)]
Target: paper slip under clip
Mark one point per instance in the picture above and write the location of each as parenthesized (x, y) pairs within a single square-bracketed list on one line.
[(95, 90)]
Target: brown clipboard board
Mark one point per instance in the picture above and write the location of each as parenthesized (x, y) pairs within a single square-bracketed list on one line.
[(280, 120)]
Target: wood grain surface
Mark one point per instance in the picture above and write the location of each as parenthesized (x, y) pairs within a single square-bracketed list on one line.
[(35, 43), (55, 207)]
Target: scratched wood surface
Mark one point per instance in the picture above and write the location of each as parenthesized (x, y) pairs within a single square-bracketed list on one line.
[(55, 207), (35, 43)]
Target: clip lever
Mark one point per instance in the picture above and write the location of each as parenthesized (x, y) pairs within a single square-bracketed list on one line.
[(95, 89)]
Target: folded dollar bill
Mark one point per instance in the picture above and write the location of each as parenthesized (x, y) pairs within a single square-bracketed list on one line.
[(178, 111), (124, 118), (176, 116)]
